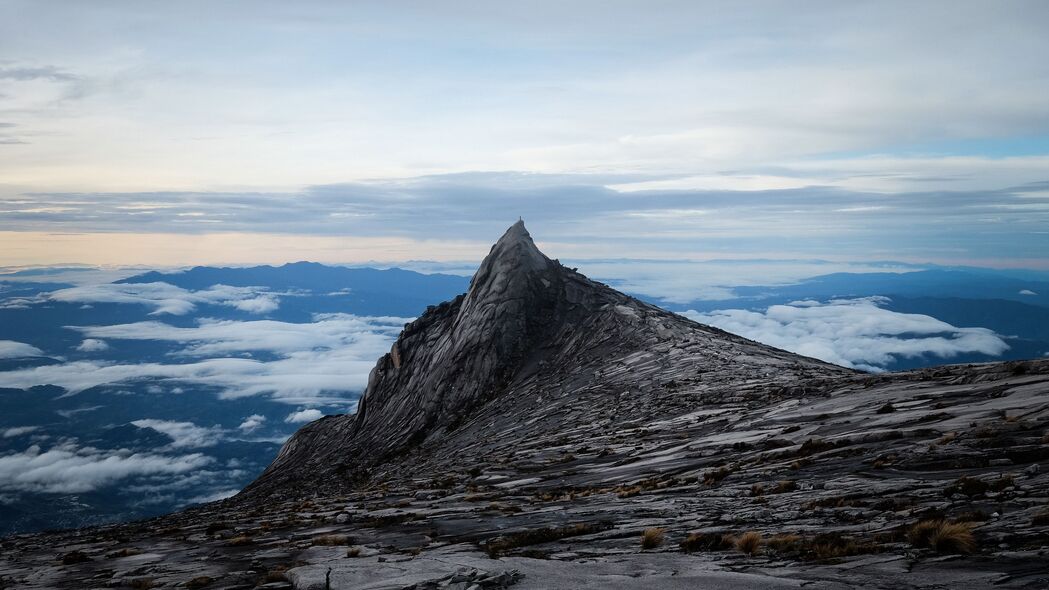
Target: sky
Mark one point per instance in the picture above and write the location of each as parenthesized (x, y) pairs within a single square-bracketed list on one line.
[(175, 133)]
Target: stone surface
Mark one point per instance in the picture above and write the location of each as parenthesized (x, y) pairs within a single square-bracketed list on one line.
[(540, 423)]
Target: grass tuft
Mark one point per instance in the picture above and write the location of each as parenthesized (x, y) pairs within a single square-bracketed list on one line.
[(942, 536), (749, 543), (652, 538)]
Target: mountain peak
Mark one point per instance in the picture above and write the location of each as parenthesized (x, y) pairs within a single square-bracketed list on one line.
[(514, 251), (527, 329)]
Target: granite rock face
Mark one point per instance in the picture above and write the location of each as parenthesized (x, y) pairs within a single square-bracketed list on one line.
[(527, 325), (545, 431)]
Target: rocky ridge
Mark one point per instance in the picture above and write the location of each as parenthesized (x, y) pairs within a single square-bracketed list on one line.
[(546, 431)]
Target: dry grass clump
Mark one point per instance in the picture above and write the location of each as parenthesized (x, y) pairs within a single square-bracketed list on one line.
[(749, 543), (199, 582), (275, 575), (757, 490), (942, 536), (715, 541), (712, 477), (140, 583), (628, 492), (787, 485), (353, 552), (498, 546), (332, 540), (787, 543), (652, 538), (240, 541), (75, 557), (835, 545), (125, 552)]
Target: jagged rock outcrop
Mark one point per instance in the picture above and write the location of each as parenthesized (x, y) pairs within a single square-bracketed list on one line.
[(527, 325)]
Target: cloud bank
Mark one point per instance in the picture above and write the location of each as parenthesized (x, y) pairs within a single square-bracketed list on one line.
[(70, 469), (169, 299), (855, 333), (316, 362)]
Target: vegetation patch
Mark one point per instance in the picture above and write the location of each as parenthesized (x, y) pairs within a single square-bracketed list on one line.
[(942, 536), (652, 538), (504, 543)]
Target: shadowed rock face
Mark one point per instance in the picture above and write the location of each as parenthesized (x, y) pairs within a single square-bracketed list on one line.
[(527, 324)]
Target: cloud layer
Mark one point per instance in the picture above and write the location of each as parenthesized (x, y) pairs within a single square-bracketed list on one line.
[(70, 469), (853, 333), (316, 362), (169, 299)]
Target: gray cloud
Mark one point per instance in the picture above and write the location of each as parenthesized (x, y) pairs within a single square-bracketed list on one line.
[(303, 416), (92, 345), (13, 349), (24, 74), (184, 434), (585, 214), (853, 333)]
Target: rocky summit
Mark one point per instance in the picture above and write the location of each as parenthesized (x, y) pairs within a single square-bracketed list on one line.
[(546, 431)]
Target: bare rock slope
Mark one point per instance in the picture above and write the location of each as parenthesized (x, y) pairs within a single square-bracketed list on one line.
[(546, 431)]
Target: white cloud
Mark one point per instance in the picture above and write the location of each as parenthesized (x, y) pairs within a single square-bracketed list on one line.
[(19, 431), (252, 422), (1027, 292), (333, 354), (12, 349), (69, 469), (169, 299), (184, 434), (92, 345), (304, 416), (853, 332)]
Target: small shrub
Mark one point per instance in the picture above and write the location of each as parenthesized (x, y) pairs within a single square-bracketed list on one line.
[(652, 538), (785, 543), (749, 543), (240, 541), (712, 477), (968, 486), (353, 552), (332, 540), (199, 582), (140, 583), (716, 541), (75, 557), (757, 490), (498, 546), (216, 527), (787, 485), (275, 575), (1020, 368)]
